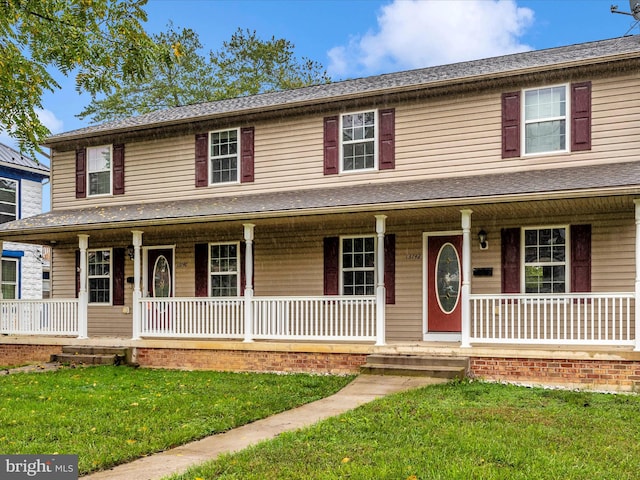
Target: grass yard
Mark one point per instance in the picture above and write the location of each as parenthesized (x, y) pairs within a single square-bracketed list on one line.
[(110, 415), (464, 430)]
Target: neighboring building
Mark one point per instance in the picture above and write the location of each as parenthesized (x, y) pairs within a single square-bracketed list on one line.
[(488, 209), (23, 265)]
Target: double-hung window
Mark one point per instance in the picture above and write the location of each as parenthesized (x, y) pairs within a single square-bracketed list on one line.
[(9, 278), (545, 120), (223, 159), (358, 134), (545, 260), (358, 265), (99, 168), (224, 269), (8, 200), (99, 276)]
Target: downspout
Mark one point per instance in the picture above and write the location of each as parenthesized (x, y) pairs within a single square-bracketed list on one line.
[(466, 278), (637, 283)]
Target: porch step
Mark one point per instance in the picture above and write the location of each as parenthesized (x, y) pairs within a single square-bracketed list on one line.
[(88, 355), (416, 366)]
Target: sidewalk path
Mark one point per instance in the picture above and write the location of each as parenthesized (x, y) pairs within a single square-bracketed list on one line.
[(363, 389)]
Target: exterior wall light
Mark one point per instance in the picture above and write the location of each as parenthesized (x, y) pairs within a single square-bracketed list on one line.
[(482, 238)]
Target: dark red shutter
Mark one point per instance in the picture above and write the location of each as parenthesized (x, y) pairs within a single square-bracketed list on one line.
[(247, 154), (332, 266), (390, 268), (580, 258), (331, 145), (202, 269), (202, 159), (511, 125), (510, 260), (118, 276), (580, 116), (81, 173), (118, 170), (387, 139)]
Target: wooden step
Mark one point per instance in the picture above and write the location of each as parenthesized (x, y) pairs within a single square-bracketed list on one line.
[(416, 365)]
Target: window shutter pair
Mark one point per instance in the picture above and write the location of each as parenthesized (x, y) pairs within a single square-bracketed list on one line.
[(117, 171), (332, 266), (580, 259), (118, 278), (386, 142), (580, 120), (202, 269), (247, 157)]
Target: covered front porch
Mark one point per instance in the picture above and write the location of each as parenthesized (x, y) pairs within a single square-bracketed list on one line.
[(593, 319)]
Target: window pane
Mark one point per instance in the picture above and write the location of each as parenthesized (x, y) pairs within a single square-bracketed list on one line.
[(9, 271), (99, 183), (358, 145), (545, 256), (358, 266), (224, 270), (224, 156)]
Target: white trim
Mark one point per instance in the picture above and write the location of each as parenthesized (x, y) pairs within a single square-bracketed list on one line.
[(426, 335), (566, 118), (110, 302), (567, 254), (238, 157), (376, 146), (238, 271), (88, 187)]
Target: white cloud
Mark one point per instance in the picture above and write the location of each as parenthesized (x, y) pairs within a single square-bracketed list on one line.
[(420, 33)]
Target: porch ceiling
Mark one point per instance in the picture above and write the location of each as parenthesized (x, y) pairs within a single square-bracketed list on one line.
[(577, 189)]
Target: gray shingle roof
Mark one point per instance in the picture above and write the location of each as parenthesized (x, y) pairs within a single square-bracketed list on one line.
[(15, 159), (453, 191), (604, 50)]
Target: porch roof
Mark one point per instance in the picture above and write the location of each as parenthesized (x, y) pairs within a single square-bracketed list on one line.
[(584, 181)]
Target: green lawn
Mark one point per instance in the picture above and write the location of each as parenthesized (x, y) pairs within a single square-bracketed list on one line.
[(110, 415), (455, 431)]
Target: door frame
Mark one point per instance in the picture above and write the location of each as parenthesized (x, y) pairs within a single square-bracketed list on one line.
[(426, 335), (145, 267)]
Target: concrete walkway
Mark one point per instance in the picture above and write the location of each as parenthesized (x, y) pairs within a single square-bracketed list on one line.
[(363, 389)]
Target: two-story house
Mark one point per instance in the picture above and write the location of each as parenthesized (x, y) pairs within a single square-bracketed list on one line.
[(486, 209), (24, 266)]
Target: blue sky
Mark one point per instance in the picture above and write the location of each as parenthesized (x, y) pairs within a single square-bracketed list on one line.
[(355, 38)]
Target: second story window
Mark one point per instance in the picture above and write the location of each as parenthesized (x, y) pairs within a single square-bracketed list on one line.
[(545, 119), (358, 141), (8, 200), (224, 156), (99, 170)]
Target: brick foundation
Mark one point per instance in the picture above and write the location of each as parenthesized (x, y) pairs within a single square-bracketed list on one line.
[(620, 375), (250, 361), (11, 355)]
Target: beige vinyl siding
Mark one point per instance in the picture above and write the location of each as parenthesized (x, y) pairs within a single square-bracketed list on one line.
[(63, 275), (440, 137)]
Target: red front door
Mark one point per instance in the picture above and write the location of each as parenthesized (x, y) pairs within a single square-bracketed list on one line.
[(160, 272), (444, 283)]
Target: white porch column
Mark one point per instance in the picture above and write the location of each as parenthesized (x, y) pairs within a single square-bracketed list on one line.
[(137, 293), (83, 299), (248, 287), (1, 247), (381, 292), (466, 278), (637, 284)]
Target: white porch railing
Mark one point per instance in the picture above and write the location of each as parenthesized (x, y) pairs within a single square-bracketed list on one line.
[(198, 317), (274, 318), (39, 317), (315, 318), (584, 319)]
